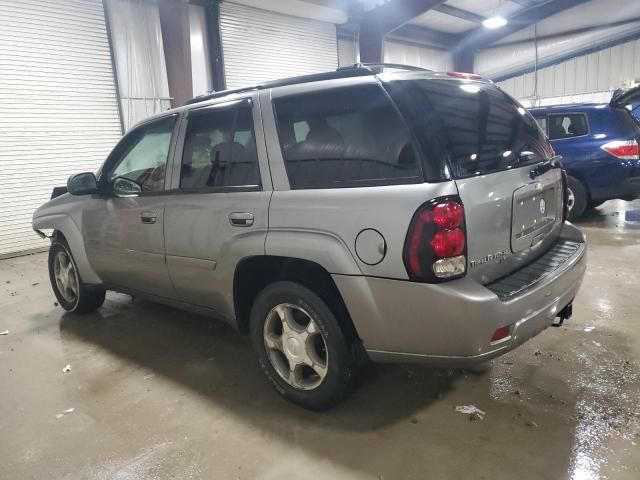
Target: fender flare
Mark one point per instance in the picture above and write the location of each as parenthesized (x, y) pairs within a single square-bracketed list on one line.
[(326, 249), (65, 224)]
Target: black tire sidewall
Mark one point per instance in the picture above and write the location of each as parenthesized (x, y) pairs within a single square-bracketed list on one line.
[(580, 198), (56, 247), (88, 299), (337, 380)]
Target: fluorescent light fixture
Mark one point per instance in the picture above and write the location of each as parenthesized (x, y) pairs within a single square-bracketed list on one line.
[(494, 22)]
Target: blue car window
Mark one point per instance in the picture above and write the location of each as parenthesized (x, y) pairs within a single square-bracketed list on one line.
[(567, 125)]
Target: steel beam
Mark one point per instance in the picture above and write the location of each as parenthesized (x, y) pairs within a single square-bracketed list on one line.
[(380, 21), (174, 21), (482, 37)]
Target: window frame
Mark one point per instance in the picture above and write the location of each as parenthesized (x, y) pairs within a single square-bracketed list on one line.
[(124, 146), (226, 103), (544, 116), (555, 114), (293, 91)]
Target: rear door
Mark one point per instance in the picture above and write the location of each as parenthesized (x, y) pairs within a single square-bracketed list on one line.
[(217, 213), (489, 144)]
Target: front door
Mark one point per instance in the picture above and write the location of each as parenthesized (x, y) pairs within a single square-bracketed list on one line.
[(124, 228), (217, 214)]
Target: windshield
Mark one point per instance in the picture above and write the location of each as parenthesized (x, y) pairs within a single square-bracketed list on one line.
[(475, 127)]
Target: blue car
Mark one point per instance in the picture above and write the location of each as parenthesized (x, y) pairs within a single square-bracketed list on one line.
[(599, 144)]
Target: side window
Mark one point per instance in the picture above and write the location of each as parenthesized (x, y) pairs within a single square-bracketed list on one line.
[(220, 150), (542, 121), (346, 137), (567, 125), (144, 159)]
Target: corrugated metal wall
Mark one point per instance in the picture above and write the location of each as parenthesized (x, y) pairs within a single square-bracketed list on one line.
[(601, 71), (425, 57), (259, 45), (58, 102), (400, 52)]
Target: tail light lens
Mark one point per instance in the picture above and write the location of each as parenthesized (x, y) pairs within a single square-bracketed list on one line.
[(623, 149), (436, 245)]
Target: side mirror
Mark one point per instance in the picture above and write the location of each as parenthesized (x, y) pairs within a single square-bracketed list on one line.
[(82, 184), (123, 187)]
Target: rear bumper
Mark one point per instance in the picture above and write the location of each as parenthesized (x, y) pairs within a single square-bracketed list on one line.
[(621, 179), (452, 324)]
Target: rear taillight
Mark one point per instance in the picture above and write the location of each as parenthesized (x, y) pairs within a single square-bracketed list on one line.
[(623, 149), (435, 247)]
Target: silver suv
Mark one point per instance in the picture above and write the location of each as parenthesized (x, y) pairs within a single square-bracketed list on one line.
[(372, 212)]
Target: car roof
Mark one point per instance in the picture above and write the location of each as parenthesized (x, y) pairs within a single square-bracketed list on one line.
[(363, 70), (349, 71), (569, 107)]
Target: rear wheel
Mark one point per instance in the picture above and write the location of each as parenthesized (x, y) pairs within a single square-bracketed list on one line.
[(300, 345), (580, 198), (72, 294)]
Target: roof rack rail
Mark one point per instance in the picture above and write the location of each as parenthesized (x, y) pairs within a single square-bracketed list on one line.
[(355, 70), (380, 66)]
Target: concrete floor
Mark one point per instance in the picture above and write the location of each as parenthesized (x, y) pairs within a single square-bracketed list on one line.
[(158, 393)]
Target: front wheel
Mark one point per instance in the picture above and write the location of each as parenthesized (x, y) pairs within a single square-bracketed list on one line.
[(300, 345), (72, 294)]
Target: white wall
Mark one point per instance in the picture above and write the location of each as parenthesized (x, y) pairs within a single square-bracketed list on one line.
[(200, 65), (419, 56), (597, 72), (400, 52), (139, 57)]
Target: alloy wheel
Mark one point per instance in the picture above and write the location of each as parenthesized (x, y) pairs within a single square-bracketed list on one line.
[(66, 277), (296, 347)]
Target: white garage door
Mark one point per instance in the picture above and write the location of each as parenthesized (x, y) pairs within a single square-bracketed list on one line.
[(58, 105), (258, 45)]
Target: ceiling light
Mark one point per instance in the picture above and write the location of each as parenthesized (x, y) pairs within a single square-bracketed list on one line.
[(494, 22)]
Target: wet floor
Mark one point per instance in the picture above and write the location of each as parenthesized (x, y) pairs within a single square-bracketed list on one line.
[(161, 394)]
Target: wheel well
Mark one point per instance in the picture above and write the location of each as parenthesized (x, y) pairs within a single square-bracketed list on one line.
[(255, 273), (580, 179), (58, 235)]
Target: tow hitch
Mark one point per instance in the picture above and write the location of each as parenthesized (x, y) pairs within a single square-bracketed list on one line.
[(563, 315)]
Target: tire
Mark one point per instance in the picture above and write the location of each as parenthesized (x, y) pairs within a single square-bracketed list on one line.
[(327, 347), (581, 198), (72, 295)]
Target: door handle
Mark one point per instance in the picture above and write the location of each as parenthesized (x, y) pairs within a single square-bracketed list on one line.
[(241, 219), (148, 218)]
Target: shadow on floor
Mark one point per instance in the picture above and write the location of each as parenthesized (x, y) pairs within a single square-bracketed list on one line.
[(371, 431), (209, 357)]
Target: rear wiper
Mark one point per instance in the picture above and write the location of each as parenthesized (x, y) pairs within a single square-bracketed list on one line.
[(544, 167)]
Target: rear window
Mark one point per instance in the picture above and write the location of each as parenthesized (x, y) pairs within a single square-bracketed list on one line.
[(475, 128), (346, 137), (627, 122)]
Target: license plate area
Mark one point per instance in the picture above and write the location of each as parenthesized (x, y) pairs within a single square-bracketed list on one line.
[(534, 214)]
